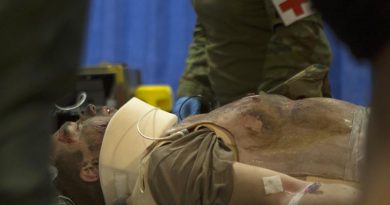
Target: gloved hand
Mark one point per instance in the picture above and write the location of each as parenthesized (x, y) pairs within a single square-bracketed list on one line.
[(186, 106)]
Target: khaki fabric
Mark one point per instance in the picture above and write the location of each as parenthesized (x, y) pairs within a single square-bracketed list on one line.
[(242, 47), (191, 169)]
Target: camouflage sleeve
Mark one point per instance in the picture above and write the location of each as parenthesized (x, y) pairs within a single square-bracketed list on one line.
[(305, 84), (293, 52), (194, 80)]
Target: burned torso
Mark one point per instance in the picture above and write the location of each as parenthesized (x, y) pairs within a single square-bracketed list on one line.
[(310, 137)]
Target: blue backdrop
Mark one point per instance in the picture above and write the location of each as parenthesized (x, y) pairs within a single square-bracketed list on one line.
[(153, 36)]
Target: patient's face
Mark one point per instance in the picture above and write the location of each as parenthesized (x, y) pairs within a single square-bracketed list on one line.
[(76, 149), (87, 131)]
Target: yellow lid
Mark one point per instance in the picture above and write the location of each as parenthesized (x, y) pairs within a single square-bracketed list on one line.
[(160, 96)]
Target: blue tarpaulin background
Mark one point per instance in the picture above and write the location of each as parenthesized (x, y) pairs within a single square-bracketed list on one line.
[(153, 36)]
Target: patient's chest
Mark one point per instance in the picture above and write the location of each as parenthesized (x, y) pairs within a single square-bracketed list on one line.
[(309, 137)]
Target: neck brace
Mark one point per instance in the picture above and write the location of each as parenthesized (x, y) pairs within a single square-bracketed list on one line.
[(124, 143)]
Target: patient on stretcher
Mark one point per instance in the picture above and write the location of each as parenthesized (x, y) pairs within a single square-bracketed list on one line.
[(258, 150)]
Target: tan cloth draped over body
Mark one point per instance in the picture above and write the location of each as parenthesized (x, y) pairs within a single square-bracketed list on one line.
[(315, 138), (192, 169)]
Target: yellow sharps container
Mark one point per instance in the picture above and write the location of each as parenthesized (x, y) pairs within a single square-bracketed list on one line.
[(160, 96)]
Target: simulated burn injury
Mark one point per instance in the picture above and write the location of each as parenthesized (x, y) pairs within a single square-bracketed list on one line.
[(311, 137)]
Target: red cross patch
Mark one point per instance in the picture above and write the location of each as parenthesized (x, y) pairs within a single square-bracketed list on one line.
[(291, 11)]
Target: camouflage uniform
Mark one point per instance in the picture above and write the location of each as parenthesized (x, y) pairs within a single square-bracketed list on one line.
[(252, 51)]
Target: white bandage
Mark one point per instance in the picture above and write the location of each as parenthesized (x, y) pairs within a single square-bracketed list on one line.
[(273, 185)]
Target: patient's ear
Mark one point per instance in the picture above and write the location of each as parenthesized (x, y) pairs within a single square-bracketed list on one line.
[(89, 172)]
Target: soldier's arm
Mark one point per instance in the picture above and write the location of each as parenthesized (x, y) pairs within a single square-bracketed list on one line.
[(194, 80)]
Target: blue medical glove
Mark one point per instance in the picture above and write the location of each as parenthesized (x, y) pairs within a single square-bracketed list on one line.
[(186, 106)]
